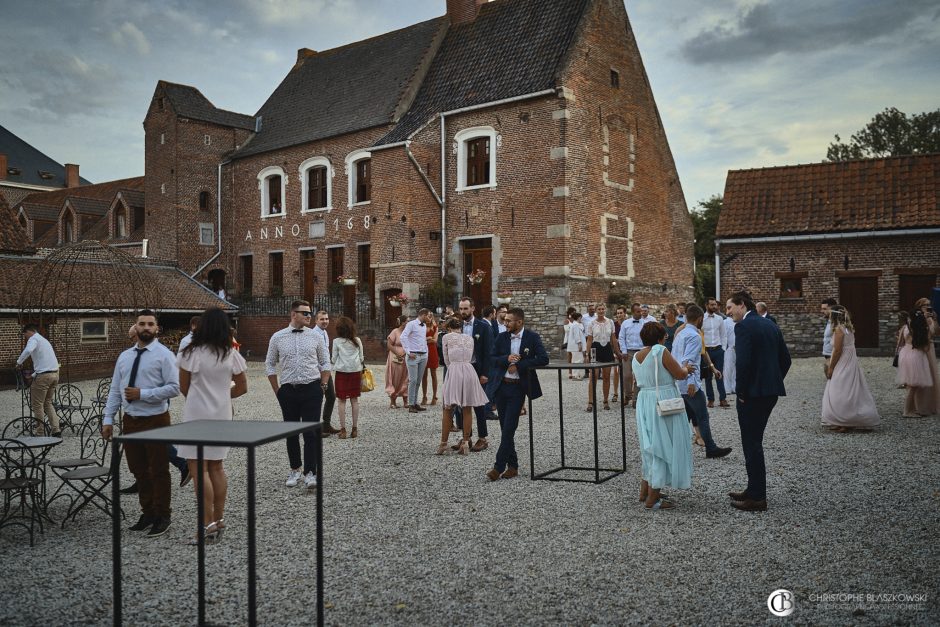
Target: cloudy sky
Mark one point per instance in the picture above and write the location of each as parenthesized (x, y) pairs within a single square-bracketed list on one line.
[(739, 83)]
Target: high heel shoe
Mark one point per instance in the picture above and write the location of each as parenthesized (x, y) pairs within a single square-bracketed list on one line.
[(442, 448), (462, 448), (219, 529), (211, 534)]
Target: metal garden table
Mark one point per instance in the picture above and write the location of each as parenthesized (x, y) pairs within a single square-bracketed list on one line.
[(610, 473), (200, 433)]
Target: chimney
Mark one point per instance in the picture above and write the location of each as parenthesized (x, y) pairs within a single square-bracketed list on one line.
[(71, 175), (3, 167), (303, 54), (463, 11)]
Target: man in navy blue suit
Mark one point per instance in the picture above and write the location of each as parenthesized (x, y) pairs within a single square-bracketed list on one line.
[(517, 352), (762, 362), (482, 333)]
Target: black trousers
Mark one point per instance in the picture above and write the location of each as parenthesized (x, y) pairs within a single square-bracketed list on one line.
[(301, 403), (329, 400), (753, 414)]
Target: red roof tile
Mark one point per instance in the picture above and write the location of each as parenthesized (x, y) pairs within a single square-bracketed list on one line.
[(862, 195)]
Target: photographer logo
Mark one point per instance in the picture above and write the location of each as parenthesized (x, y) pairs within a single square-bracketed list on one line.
[(781, 602)]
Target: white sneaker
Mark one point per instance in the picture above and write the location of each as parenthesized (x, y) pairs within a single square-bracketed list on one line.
[(293, 478), (310, 480)]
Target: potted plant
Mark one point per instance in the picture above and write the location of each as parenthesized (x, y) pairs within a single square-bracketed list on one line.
[(476, 277), (345, 279), (398, 300), (503, 298)]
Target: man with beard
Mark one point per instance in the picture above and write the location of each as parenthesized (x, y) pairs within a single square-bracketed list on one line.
[(145, 379)]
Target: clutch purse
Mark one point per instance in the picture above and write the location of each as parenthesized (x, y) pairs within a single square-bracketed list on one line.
[(367, 381), (666, 406)]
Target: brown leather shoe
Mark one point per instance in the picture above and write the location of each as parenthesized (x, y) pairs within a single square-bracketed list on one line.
[(711, 404), (509, 473), (738, 496), (481, 445), (725, 404), (747, 505), (328, 428), (412, 410), (493, 475)]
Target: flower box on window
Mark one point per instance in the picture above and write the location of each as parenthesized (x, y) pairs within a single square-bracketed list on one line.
[(503, 298), (476, 277), (398, 300)]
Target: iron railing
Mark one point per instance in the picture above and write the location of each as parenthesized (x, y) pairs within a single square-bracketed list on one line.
[(360, 309)]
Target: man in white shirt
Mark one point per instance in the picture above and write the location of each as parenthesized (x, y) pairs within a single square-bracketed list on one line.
[(589, 317), (630, 345), (645, 314), (304, 362), (329, 397), (188, 338), (825, 308), (713, 326), (45, 378), (414, 341)]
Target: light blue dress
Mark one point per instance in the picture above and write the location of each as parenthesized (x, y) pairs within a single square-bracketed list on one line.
[(665, 441)]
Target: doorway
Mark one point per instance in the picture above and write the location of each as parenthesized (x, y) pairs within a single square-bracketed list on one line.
[(478, 255), (217, 280), (859, 294), (310, 274), (912, 287)]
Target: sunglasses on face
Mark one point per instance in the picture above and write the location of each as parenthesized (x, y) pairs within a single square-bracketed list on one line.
[(305, 314)]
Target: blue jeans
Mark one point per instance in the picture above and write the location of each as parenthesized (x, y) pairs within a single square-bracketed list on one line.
[(717, 355), (698, 413), (509, 400), (753, 414), (415, 372)]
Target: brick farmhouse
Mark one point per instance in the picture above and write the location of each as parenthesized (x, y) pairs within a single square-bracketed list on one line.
[(865, 232)]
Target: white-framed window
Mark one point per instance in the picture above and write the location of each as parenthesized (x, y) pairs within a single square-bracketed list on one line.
[(316, 181), (359, 175), (94, 330), (476, 157), (272, 183), (206, 233)]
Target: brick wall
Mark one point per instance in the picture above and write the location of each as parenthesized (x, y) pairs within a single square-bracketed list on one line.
[(754, 266)]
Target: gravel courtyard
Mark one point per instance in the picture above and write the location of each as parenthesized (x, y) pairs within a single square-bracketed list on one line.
[(415, 539)]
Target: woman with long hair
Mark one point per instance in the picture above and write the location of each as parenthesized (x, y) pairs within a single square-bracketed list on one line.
[(847, 402), (917, 363), (348, 363), (433, 362), (601, 339), (671, 323), (396, 372), (208, 368), (461, 385)]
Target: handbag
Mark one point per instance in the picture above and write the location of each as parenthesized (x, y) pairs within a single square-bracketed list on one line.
[(666, 406), (895, 362), (366, 381)]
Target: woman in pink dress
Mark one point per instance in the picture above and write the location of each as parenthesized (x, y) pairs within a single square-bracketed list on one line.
[(212, 373), (461, 384), (847, 402), (396, 373), (917, 364)]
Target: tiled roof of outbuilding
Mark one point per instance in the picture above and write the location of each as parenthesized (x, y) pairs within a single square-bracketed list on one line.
[(101, 191), (13, 237), (95, 207), (188, 102), (346, 89), (859, 195), (512, 48)]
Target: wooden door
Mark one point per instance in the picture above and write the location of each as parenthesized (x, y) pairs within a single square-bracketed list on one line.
[(912, 287), (247, 275), (277, 274), (310, 275), (860, 296), (478, 255)]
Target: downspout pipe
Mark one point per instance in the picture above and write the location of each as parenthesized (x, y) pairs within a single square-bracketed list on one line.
[(718, 271), (443, 200), (218, 227)]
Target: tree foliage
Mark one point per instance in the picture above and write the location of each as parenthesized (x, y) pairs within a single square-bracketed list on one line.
[(704, 223), (891, 133)]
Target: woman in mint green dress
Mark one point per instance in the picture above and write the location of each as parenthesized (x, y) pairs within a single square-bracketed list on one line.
[(665, 441)]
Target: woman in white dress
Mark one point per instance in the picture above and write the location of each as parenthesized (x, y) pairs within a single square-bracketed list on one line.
[(603, 340), (728, 373), (575, 345), (211, 375)]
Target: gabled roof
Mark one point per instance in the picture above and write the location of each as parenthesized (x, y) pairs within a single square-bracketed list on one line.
[(101, 191), (13, 237), (188, 102), (92, 207), (132, 198), (35, 211), (512, 48), (859, 195), (30, 162), (351, 88)]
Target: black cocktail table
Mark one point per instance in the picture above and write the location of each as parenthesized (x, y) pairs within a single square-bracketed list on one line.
[(237, 433), (596, 469)]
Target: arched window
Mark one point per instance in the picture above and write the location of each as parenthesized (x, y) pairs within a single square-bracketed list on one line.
[(476, 157), (272, 183), (359, 173), (316, 176)]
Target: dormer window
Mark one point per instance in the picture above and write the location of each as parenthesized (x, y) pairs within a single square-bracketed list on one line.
[(120, 224), (272, 182), (476, 157), (316, 175), (359, 172), (46, 176), (69, 227), (22, 220)]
